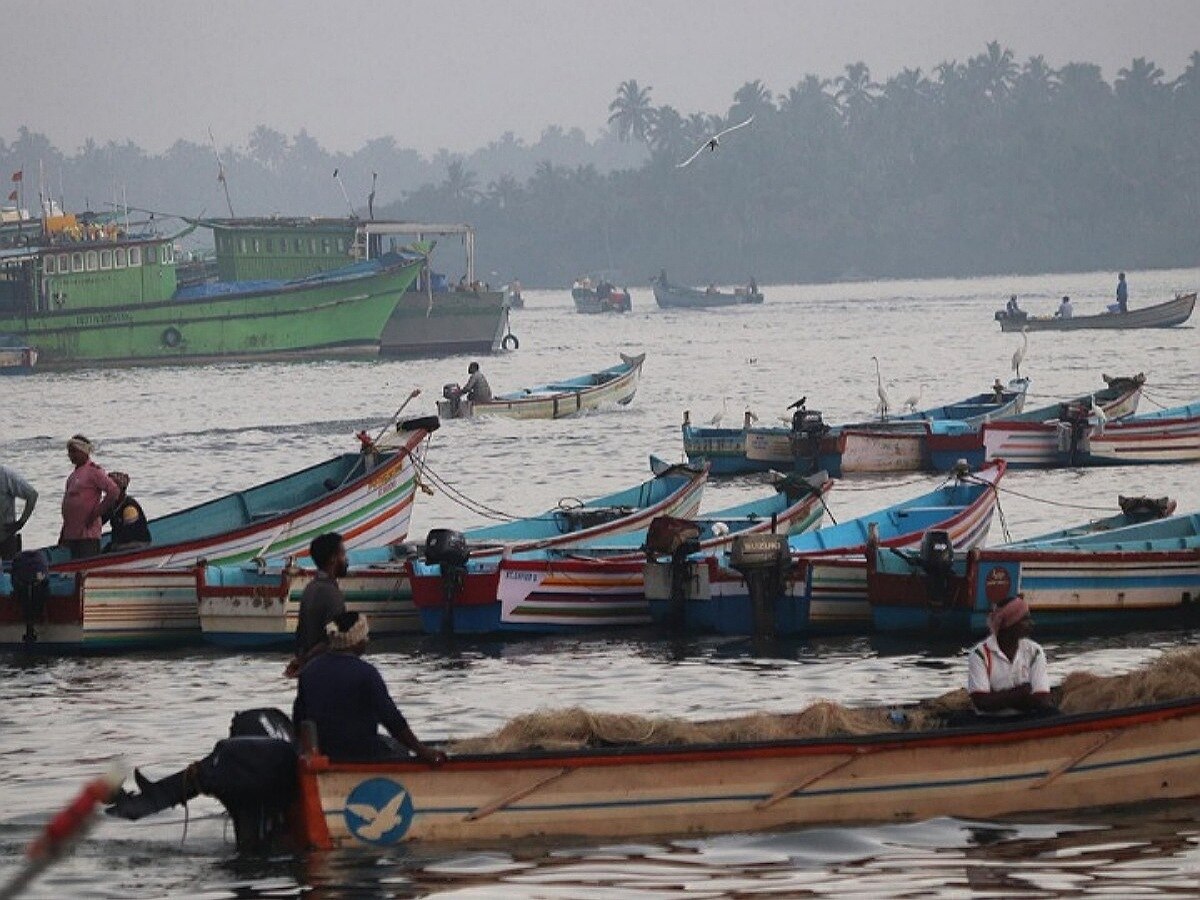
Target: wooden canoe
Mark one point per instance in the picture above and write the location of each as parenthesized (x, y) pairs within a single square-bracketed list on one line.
[(673, 296), (558, 399), (1161, 315), (1070, 763)]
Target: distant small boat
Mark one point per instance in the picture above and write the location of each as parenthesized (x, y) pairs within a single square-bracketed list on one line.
[(604, 298), (674, 296), (617, 384), (1162, 315), (16, 358)]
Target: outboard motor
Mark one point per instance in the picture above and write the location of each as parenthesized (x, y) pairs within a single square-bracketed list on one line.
[(679, 539), (449, 550), (937, 561), (252, 773), (808, 429), (31, 589), (763, 560), (1073, 429), (452, 395)]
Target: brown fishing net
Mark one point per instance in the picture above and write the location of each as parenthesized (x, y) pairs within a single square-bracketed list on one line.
[(1173, 676)]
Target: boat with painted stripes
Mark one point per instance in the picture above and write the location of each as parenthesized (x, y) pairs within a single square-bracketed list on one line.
[(1069, 763), (148, 596), (1080, 439), (614, 385), (1143, 574), (600, 584), (824, 585), (952, 442), (897, 443), (258, 606)]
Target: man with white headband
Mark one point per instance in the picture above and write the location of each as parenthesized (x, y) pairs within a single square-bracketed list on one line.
[(345, 697), (1007, 671), (89, 496)]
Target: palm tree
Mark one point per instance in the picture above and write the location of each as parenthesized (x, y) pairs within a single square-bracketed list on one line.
[(631, 111), (461, 184), (666, 132), (751, 99), (1142, 81), (855, 88), (1189, 80), (504, 191), (998, 70), (1037, 81), (268, 146)]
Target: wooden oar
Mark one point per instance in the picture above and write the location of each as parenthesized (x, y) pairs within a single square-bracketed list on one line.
[(496, 805), (1054, 774), (787, 790)]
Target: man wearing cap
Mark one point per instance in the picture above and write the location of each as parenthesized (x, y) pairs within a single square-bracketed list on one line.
[(345, 697), (1007, 672), (13, 488), (130, 530), (89, 496)]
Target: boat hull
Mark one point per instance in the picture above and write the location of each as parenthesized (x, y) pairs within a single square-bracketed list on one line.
[(1129, 442), (1162, 315), (455, 323), (590, 303), (17, 360), (686, 298), (1069, 764), (317, 318)]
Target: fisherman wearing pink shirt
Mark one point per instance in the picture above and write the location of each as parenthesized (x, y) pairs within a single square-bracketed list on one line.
[(90, 494)]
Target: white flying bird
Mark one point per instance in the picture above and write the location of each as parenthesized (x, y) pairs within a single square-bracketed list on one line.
[(378, 822), (713, 142)]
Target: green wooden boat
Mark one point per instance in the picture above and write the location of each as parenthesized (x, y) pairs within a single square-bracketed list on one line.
[(83, 291)]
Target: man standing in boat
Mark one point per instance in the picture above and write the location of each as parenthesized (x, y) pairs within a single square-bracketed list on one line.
[(89, 496), (1006, 673), (1122, 294), (12, 488), (345, 697), (322, 600)]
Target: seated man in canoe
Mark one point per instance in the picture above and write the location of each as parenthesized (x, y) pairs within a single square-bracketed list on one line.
[(344, 696), (1006, 674), (130, 530)]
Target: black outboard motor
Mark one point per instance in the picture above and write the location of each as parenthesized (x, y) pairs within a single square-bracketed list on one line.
[(252, 773), (937, 561), (764, 561), (31, 588), (808, 429), (448, 549)]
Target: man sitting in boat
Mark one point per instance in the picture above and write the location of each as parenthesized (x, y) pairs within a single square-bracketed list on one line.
[(1006, 673), (130, 531), (322, 600), (345, 697), (1012, 309), (477, 389), (1065, 310)]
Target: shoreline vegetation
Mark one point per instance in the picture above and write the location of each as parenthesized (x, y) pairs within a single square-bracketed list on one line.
[(986, 166)]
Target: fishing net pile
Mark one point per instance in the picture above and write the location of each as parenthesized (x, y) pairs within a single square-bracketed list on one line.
[(1173, 676)]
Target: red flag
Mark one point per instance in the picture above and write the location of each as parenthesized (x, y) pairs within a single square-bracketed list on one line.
[(18, 175), (13, 196)]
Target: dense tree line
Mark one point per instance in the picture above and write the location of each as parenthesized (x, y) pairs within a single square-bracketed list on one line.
[(985, 166), (982, 166)]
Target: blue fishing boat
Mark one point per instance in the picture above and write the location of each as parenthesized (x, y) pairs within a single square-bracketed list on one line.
[(897, 443), (1140, 568), (600, 584), (823, 587), (251, 606), (16, 356)]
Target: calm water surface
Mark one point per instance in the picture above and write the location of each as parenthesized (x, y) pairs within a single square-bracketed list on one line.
[(185, 434)]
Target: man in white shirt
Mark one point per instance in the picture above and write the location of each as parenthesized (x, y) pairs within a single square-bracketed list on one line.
[(1065, 310), (12, 488), (1006, 674)]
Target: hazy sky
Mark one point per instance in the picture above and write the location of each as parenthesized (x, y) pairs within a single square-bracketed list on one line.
[(457, 73)]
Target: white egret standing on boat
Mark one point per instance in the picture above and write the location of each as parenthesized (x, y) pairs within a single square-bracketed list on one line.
[(716, 420), (1021, 351), (713, 142), (1100, 414), (911, 403), (885, 402)]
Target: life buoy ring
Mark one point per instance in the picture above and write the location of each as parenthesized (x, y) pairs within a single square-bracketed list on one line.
[(510, 342), (171, 337)]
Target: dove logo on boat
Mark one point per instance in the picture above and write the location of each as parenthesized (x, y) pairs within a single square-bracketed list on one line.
[(379, 811)]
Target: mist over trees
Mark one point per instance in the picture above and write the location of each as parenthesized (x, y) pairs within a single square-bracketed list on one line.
[(989, 165)]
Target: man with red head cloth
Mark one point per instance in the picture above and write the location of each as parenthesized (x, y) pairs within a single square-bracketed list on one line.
[(1007, 671)]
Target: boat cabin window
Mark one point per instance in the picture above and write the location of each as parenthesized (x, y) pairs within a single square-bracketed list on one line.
[(283, 245), (312, 245), (93, 260), (242, 244), (341, 245), (135, 256), (64, 264), (270, 245), (48, 264), (296, 246), (76, 262), (257, 245), (325, 246), (168, 253), (119, 258), (106, 259), (151, 255)]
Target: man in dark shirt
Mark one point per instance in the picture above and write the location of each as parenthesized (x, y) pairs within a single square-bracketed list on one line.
[(322, 600), (344, 696), (130, 530)]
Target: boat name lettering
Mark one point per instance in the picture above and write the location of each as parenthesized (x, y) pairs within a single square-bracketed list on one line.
[(521, 576), (103, 318)]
